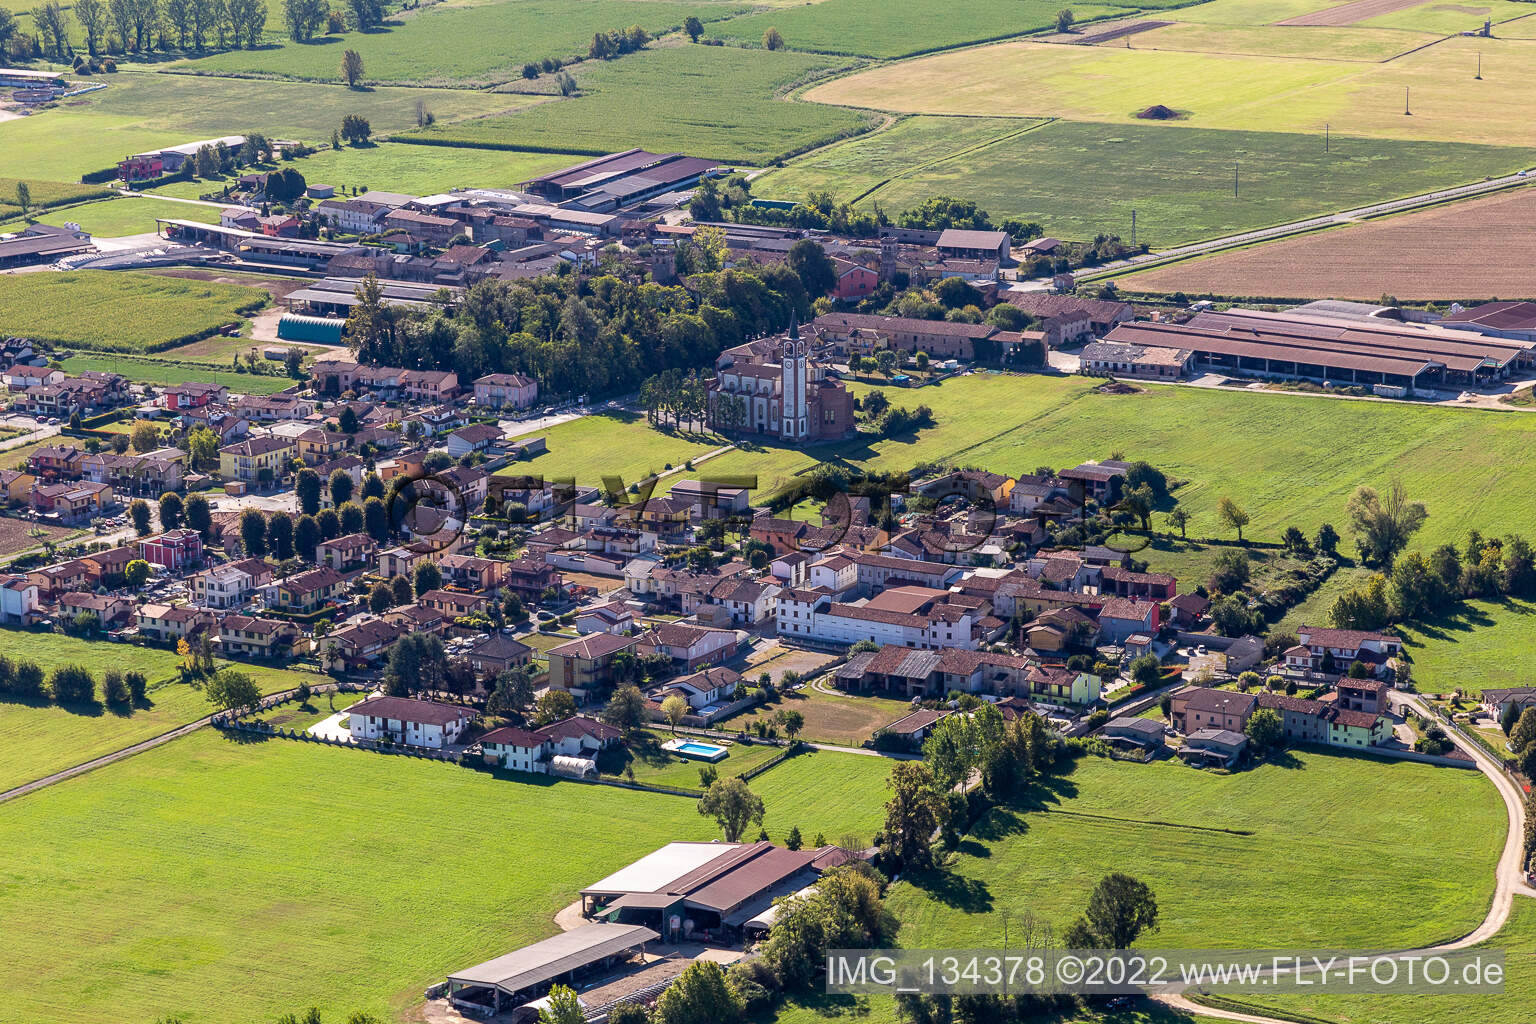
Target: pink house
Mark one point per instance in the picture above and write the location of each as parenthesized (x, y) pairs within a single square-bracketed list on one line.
[(506, 391), (854, 280), (174, 549)]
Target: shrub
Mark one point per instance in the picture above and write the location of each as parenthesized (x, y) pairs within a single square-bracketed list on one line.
[(72, 684)]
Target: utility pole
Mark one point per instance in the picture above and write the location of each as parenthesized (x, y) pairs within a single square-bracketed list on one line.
[(1234, 179), (1407, 111), (1326, 129), (1479, 74), (1133, 227)]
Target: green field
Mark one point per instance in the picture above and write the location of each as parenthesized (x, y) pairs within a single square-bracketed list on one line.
[(1484, 644), (732, 110), (417, 170), (89, 308), (45, 193), (139, 111), (899, 28), (829, 718), (1079, 179), (826, 792), (618, 444), (655, 766), (462, 45), (125, 215), (164, 372), (1319, 845)]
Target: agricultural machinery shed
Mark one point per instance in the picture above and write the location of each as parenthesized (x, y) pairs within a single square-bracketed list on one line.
[(526, 973)]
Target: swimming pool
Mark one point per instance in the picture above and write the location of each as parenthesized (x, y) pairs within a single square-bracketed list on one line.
[(696, 749)]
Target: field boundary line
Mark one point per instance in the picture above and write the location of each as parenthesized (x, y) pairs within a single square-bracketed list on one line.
[(1009, 136)]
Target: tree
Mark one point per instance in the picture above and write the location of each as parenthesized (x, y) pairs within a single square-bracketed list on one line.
[(912, 814), (352, 68), (376, 519), (136, 573), (417, 664), (791, 721), (1265, 729), (138, 511), (562, 1006), (348, 423), (512, 693), (1381, 525), (24, 197), (329, 523), (92, 16), (1230, 573), (253, 533), (674, 709), (553, 706), (340, 485), (114, 688), (1326, 539), (772, 40), (145, 436), (230, 689), (1232, 516), (427, 577), (355, 129), (373, 484), (694, 27), (203, 448), (700, 995), (1523, 735), (52, 28), (400, 589), (811, 264), (1119, 909), (1065, 20), (170, 510), (72, 684), (280, 535), (304, 18), (1178, 519), (625, 709), (380, 599), (733, 806), (1146, 670), (307, 485), (138, 685), (306, 537)]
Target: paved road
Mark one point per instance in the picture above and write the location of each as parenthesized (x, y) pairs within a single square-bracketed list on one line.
[(1509, 880), (1312, 223)]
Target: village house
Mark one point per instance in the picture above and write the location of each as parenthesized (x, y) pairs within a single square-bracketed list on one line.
[(1335, 650), (73, 502), (689, 647), (20, 603), (506, 391), (112, 610), (223, 586), (582, 665), (477, 437), (1197, 707), (357, 646), (257, 460), (535, 750), (702, 690), (169, 623), (345, 553), (454, 604), (613, 617), (174, 550), (250, 637), (496, 654), (417, 723), (306, 592)]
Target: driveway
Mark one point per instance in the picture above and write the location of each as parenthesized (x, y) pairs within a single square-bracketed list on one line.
[(331, 728)]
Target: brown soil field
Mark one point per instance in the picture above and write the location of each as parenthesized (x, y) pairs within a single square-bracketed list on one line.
[(1121, 31), (1480, 248), (1348, 14), (15, 535)]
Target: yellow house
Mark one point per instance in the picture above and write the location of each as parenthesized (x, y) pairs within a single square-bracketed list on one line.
[(317, 446), (256, 460)]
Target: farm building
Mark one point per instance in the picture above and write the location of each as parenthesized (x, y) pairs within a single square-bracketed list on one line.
[(1330, 349), (1144, 362), (622, 179), (142, 166), (42, 243), (520, 976)]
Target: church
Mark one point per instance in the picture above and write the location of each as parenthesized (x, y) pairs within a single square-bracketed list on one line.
[(772, 387)]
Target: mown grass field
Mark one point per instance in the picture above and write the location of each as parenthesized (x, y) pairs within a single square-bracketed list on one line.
[(125, 215), (1079, 179), (1484, 644), (170, 371), (45, 194), (141, 110), (826, 792), (460, 45), (732, 110), (119, 311), (655, 766), (417, 170), (1110, 84), (847, 721), (1280, 41), (898, 28), (620, 444), (1307, 862)]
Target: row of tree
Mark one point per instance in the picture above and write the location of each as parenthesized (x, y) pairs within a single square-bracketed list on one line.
[(1424, 586), (123, 26), (70, 685)]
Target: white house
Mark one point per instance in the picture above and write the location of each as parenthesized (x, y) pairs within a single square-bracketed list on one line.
[(514, 748), (420, 723), (532, 750), (715, 685), (18, 601), (613, 617), (914, 617)]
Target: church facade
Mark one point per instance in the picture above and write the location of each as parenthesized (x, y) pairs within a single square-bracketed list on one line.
[(773, 388)]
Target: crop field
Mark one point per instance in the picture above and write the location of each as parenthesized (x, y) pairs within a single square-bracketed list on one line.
[(17, 534), (827, 792), (45, 194), (417, 170), (126, 215), (140, 110), (829, 718), (170, 371), (1262, 838), (1485, 644), (1078, 179), (1440, 253), (1357, 44), (1110, 84), (464, 44), (732, 111), (87, 308), (899, 28)]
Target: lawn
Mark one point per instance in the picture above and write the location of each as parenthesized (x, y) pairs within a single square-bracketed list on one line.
[(45, 738), (416, 170), (900, 28), (613, 444), (298, 717), (1485, 644), (142, 110), (733, 111), (462, 45), (1078, 179), (46, 193), (124, 215), (90, 308), (846, 721), (15, 458), (221, 879), (836, 795), (1304, 853), (659, 767), (1230, 91), (164, 371)]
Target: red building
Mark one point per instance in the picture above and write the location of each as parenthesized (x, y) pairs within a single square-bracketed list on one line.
[(174, 549), (854, 280)]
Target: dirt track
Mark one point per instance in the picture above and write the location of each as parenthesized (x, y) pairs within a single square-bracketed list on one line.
[(1348, 14)]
